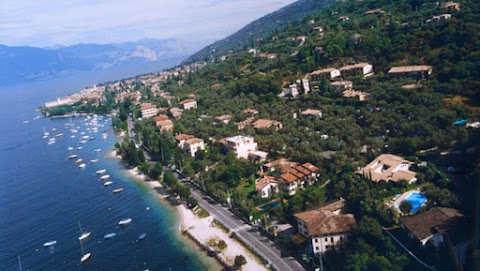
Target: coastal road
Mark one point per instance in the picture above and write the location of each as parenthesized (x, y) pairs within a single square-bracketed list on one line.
[(276, 257)]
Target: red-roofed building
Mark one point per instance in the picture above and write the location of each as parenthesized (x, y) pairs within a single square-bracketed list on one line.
[(189, 104), (266, 186), (298, 177)]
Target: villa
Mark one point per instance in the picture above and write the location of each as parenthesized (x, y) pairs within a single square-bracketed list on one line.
[(389, 167), (241, 145), (326, 226), (148, 110), (297, 177), (266, 186), (189, 104), (432, 225)]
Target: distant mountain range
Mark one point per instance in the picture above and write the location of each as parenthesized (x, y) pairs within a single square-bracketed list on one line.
[(248, 35), (28, 64)]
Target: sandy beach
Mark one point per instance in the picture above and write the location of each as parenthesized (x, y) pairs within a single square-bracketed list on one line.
[(204, 231)]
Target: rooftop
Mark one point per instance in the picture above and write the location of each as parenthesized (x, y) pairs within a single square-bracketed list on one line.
[(418, 68), (187, 101), (181, 137)]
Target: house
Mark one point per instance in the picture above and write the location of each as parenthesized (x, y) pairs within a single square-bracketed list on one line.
[(439, 18), (450, 6), (351, 93), (266, 186), (165, 125), (311, 113), (306, 85), (148, 110), (318, 29), (363, 69), (159, 118), (419, 71), (269, 56), (343, 18), (374, 11), (176, 112), (181, 138), (193, 145), (432, 225), (259, 156), (241, 145), (242, 124), (341, 85), (266, 123), (389, 167), (189, 104), (326, 226), (328, 73), (284, 165), (223, 118), (250, 111), (298, 177)]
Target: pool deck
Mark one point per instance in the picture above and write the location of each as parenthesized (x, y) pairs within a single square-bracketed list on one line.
[(402, 197)]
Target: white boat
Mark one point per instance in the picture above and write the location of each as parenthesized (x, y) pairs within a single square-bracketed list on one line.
[(97, 150), (125, 221), (101, 171), (118, 190), (73, 156), (84, 137), (50, 243), (91, 138), (142, 236), (51, 142), (82, 165), (79, 161), (72, 136), (85, 234), (108, 183), (79, 148), (70, 148), (93, 160), (109, 235), (83, 141), (59, 135), (45, 136), (104, 177)]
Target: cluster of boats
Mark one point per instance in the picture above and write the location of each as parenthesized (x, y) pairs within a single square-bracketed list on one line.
[(92, 127)]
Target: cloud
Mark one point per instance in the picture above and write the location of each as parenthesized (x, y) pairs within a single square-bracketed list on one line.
[(32, 22)]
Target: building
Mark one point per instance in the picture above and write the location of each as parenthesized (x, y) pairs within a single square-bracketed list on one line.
[(165, 125), (318, 29), (362, 69), (306, 85), (311, 113), (193, 145), (432, 225), (241, 145), (326, 226), (266, 186), (176, 112), (450, 6), (159, 118), (389, 167), (419, 71), (328, 73), (439, 18), (189, 104), (374, 11), (223, 118), (282, 164), (343, 18), (297, 177), (351, 93), (148, 110), (266, 123), (181, 138), (341, 85)]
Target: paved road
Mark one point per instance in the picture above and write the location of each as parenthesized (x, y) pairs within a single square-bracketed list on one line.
[(277, 258)]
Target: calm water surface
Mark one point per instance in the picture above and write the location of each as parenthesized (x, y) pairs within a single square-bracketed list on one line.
[(44, 195)]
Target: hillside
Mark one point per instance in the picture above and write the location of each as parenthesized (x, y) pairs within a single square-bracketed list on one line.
[(258, 29), (27, 64)]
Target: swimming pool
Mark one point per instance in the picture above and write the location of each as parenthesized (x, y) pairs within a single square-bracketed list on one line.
[(269, 205), (416, 199)]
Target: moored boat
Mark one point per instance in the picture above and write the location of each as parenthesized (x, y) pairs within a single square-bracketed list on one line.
[(93, 160), (101, 171), (107, 183), (85, 257), (79, 161), (109, 235), (125, 221), (104, 177), (50, 243), (82, 165), (97, 150), (142, 236), (118, 190), (73, 156), (84, 235)]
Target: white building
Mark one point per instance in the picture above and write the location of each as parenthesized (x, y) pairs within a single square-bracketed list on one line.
[(326, 226), (148, 110), (328, 73), (266, 186), (193, 145), (189, 104), (241, 145)]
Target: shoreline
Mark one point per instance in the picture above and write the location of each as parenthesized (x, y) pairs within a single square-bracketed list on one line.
[(201, 231)]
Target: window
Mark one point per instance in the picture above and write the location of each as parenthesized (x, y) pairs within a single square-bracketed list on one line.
[(326, 239), (316, 240), (316, 248), (341, 238), (331, 239)]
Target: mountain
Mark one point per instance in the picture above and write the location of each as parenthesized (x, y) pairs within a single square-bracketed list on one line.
[(26, 64), (248, 35)]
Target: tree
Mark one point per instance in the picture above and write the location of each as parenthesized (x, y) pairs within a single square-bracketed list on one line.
[(240, 260), (222, 245), (406, 207), (155, 170)]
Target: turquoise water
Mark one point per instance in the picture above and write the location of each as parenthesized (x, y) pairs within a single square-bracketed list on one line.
[(44, 195), (416, 199)]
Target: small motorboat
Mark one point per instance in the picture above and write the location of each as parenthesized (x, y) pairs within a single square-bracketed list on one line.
[(104, 177), (70, 148), (101, 171), (79, 161), (118, 190), (109, 235), (82, 166), (79, 148), (125, 221), (97, 150), (107, 183), (142, 236), (49, 243), (85, 257), (84, 235), (93, 160), (73, 156)]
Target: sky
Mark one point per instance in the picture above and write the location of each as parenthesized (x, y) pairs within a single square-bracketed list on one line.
[(66, 22)]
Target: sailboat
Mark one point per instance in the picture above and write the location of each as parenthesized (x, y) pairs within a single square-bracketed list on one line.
[(86, 256), (84, 234)]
